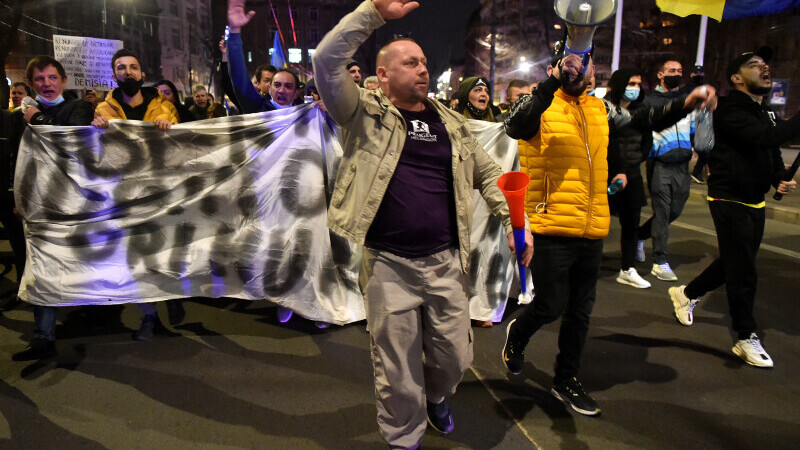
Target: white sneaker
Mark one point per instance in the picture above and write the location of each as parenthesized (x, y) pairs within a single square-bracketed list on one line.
[(683, 305), (632, 278), (663, 272), (640, 256), (751, 351)]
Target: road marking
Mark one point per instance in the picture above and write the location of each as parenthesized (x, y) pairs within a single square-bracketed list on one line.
[(768, 247), (499, 402)]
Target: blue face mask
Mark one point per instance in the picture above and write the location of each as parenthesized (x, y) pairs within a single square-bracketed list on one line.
[(631, 94), (59, 100)]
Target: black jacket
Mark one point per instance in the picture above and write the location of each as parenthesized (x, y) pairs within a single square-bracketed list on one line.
[(74, 112), (746, 158)]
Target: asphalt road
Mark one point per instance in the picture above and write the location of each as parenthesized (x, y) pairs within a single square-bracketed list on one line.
[(231, 377)]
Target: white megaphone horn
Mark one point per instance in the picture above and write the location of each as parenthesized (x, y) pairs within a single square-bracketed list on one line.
[(582, 18)]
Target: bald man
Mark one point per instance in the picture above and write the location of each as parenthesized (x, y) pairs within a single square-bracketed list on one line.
[(404, 190)]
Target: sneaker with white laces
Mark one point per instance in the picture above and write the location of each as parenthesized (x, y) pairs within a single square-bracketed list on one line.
[(751, 351), (663, 272), (632, 278), (682, 304), (640, 256)]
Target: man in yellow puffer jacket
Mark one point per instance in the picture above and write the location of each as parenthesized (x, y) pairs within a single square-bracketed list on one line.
[(564, 147), (132, 101)]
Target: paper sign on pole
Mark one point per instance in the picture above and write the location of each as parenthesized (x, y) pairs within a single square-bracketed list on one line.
[(87, 61)]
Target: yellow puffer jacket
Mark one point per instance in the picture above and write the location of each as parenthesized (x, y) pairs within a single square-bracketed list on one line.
[(567, 164), (158, 108)]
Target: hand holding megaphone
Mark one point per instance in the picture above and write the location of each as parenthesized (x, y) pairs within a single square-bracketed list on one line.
[(568, 68)]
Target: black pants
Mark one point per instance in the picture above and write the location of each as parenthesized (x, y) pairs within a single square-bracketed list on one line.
[(739, 232), (14, 231), (565, 275), (629, 217)]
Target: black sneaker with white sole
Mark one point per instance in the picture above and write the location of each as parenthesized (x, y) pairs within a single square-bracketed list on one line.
[(571, 392), (513, 352)]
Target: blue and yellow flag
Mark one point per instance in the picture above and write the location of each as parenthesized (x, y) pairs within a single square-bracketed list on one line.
[(725, 9), (277, 59)]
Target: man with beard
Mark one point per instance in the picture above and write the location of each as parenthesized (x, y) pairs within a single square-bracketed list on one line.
[(130, 100), (745, 161), (404, 189), (48, 79), (667, 171), (564, 141)]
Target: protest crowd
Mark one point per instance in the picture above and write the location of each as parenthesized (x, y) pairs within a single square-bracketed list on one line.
[(409, 176)]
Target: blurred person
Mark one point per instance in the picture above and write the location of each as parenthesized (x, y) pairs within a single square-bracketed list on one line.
[(202, 100), (371, 82), (514, 90), (745, 162), (407, 196), (19, 90), (474, 100), (216, 110), (354, 69), (132, 101), (565, 153), (170, 93), (263, 76), (591, 85), (48, 78)]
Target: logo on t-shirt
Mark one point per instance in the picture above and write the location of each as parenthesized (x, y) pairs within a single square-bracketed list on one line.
[(420, 131)]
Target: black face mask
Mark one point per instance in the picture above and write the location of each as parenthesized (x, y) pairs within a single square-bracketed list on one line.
[(697, 79), (130, 86), (672, 81)]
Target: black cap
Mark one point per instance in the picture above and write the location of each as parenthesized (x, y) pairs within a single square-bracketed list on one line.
[(763, 52), (352, 63)]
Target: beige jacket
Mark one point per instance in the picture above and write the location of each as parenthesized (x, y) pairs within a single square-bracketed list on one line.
[(374, 133)]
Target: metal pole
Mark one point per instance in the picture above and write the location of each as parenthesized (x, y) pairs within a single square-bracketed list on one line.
[(105, 19), (493, 51), (701, 40), (617, 37)]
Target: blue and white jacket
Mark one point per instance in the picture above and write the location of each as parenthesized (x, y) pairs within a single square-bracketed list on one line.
[(672, 144)]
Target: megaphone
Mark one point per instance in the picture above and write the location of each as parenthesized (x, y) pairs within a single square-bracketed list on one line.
[(514, 186), (582, 18)]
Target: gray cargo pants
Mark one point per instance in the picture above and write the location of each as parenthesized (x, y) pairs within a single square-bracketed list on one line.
[(420, 336), (669, 190)]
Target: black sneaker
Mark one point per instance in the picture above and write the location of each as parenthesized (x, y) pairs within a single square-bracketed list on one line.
[(440, 418), (38, 349), (513, 352), (571, 392), (175, 311), (147, 328)]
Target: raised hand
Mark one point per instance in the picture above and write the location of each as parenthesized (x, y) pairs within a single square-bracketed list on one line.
[(571, 65), (392, 9), (236, 15), (705, 94)]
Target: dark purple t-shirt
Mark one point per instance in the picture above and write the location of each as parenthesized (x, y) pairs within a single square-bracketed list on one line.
[(417, 216)]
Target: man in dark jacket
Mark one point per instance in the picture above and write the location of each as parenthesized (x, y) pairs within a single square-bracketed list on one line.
[(667, 171), (628, 147), (745, 161), (48, 79)]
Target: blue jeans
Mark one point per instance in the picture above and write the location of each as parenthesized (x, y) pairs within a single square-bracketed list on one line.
[(45, 322)]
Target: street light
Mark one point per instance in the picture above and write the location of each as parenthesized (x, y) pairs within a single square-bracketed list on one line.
[(525, 67)]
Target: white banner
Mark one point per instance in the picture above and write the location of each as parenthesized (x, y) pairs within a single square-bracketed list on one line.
[(87, 61), (493, 266), (230, 207)]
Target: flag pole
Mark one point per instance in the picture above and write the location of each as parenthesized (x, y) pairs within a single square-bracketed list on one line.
[(617, 38), (701, 40)]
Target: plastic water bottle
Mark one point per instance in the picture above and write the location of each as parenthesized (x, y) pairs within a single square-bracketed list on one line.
[(614, 187)]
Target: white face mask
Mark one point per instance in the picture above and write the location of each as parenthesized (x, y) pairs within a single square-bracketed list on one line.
[(59, 100), (631, 94)]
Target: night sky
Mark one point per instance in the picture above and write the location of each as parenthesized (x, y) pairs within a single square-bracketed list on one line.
[(439, 27)]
